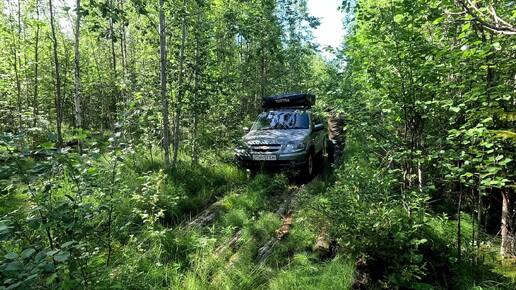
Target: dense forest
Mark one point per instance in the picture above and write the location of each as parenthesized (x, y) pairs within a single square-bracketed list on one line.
[(118, 120)]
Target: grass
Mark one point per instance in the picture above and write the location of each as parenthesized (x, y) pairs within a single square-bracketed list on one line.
[(307, 273), (188, 255), (167, 254), (248, 205), (189, 189), (290, 266), (484, 270)]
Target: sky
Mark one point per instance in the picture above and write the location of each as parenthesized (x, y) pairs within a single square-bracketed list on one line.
[(331, 30)]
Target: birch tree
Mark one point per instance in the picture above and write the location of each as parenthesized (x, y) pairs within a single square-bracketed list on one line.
[(163, 83), (57, 81)]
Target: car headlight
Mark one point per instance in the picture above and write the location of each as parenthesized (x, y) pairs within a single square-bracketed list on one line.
[(295, 146)]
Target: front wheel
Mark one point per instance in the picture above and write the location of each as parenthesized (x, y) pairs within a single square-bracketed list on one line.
[(309, 166)]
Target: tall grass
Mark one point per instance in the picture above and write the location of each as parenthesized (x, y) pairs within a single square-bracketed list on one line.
[(305, 273)]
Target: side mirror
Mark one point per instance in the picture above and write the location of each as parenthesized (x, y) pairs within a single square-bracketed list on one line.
[(318, 127), (246, 129)]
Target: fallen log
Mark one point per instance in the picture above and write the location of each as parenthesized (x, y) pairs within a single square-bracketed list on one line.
[(231, 244), (322, 243), (265, 251), (206, 216)]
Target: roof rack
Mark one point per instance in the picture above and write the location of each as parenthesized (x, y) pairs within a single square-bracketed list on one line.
[(290, 100)]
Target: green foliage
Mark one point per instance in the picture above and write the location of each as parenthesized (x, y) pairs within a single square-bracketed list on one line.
[(303, 273), (366, 213), (428, 92)]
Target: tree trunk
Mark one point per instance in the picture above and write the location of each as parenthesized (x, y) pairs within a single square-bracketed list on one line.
[(19, 71), (36, 75), (479, 222), (113, 63), (163, 80), (123, 55), (15, 53), (507, 246), (181, 91), (65, 69), (77, 79), (57, 83), (195, 108), (459, 228)]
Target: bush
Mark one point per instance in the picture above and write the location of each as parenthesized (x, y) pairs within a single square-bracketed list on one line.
[(369, 221)]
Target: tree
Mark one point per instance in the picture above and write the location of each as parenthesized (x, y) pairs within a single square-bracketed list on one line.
[(163, 82), (77, 68), (57, 81), (180, 85), (36, 67)]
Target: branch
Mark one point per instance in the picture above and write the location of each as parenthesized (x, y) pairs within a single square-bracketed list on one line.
[(499, 26)]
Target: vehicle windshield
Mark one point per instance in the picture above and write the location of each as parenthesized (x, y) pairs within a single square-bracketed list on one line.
[(277, 120)]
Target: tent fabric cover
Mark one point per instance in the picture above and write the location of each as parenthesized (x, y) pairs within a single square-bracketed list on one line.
[(291, 100)]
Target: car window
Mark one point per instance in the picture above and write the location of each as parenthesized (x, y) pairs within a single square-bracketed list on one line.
[(277, 120)]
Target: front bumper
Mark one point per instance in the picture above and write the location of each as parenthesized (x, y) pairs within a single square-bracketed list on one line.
[(283, 160)]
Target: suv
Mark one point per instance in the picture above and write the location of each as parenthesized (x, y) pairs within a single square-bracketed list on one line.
[(284, 135)]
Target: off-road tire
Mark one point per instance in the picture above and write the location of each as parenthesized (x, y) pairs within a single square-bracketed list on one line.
[(309, 168)]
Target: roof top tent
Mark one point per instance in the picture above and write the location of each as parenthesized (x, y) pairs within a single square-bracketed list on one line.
[(291, 100)]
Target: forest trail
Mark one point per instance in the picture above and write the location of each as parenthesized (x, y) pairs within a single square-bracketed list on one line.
[(121, 120)]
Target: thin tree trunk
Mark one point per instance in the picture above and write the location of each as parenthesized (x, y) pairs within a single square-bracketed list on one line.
[(507, 246), (15, 53), (58, 101), (113, 61), (111, 205), (196, 92), (180, 86), (77, 78), (459, 229), (123, 48), (18, 72), (65, 69), (479, 223), (123, 55), (36, 75), (163, 80)]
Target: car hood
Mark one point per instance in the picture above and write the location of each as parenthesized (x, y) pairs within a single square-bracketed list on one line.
[(275, 136)]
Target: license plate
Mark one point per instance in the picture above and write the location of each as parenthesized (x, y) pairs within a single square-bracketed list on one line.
[(264, 157)]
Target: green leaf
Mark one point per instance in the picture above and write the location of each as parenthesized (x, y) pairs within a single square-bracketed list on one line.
[(27, 253), (51, 278), (11, 256), (3, 227), (39, 256), (14, 286), (455, 109), (398, 18), (14, 266), (62, 256), (33, 276), (67, 244)]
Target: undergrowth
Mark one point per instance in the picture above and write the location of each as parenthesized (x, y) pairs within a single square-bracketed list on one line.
[(126, 226)]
